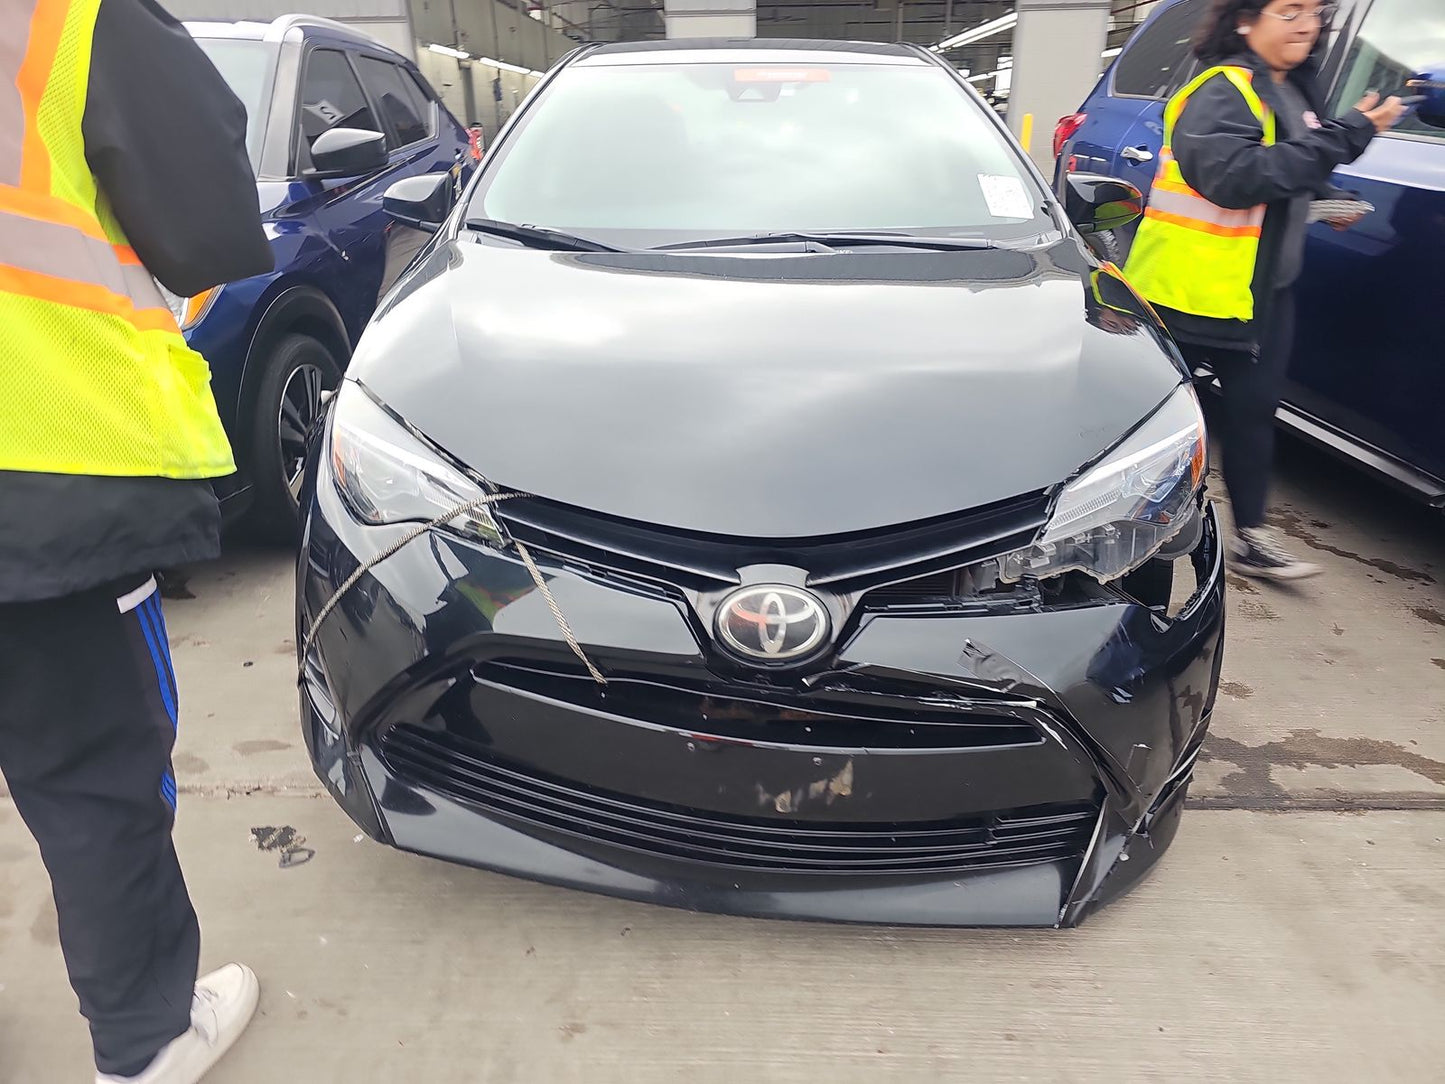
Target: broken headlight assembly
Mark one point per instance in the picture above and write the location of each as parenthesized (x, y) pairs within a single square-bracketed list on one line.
[(1122, 511), (387, 474)]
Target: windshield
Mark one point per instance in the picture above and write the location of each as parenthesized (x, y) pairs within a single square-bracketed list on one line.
[(648, 154), (246, 68)]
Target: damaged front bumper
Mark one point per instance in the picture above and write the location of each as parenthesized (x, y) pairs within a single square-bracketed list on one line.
[(1015, 768)]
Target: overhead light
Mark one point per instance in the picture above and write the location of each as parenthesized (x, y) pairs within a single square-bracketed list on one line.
[(492, 63), (447, 50), (1112, 52), (978, 33)]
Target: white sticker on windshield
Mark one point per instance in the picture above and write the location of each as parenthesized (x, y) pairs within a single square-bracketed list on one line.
[(1006, 196)]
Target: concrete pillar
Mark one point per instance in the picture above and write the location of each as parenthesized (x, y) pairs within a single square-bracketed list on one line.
[(711, 18), (1056, 47)]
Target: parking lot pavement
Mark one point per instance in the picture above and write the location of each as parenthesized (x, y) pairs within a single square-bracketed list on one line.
[(1292, 933), (1268, 947)]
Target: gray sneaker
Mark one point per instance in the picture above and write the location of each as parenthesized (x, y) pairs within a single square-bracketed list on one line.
[(1257, 551)]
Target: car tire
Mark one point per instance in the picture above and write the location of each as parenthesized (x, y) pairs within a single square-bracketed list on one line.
[(288, 402), (1105, 245)]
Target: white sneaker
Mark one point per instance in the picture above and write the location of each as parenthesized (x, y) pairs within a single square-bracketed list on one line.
[(221, 1007)]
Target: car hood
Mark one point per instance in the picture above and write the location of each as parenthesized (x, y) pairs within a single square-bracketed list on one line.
[(767, 396)]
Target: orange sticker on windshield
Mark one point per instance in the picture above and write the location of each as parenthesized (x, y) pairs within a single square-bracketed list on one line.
[(782, 75)]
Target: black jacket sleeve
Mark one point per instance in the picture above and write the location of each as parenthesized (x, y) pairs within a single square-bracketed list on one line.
[(166, 140), (1219, 146)]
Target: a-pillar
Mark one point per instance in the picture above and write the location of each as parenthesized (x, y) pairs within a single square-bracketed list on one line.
[(1056, 61), (711, 18)]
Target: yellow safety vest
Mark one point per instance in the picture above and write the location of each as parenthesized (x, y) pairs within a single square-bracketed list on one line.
[(1191, 255), (95, 376)]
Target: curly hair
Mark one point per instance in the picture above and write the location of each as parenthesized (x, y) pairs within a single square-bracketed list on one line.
[(1217, 36)]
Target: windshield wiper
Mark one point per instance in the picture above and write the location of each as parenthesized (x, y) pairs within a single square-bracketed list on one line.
[(538, 236), (840, 240)]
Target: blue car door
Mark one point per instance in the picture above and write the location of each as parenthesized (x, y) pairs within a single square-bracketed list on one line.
[(421, 140), (1368, 358), (1109, 121), (345, 85), (1156, 62)]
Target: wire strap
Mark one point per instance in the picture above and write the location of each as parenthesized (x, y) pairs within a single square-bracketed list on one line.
[(412, 535), (562, 624)]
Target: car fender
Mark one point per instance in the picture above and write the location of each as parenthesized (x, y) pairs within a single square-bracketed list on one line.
[(297, 307)]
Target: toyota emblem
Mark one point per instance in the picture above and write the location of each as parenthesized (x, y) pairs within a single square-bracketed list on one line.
[(772, 623)]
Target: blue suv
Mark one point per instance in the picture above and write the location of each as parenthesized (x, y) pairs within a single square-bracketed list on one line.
[(335, 120), (1367, 379)]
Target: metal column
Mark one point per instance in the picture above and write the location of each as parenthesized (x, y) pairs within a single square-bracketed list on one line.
[(711, 18), (1056, 61)]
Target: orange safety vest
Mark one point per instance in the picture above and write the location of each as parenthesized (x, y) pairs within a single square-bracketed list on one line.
[(1191, 255), (95, 376)]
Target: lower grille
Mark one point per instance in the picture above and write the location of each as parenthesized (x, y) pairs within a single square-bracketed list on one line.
[(848, 712), (466, 771)]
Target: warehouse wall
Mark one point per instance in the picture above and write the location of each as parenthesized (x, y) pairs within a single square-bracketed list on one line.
[(385, 20)]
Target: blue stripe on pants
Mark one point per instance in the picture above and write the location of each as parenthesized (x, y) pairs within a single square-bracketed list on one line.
[(160, 654)]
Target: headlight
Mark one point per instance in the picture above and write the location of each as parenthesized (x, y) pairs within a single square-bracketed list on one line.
[(386, 474), (189, 310), (1121, 512)]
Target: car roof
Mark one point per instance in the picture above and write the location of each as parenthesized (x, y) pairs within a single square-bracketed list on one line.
[(285, 28), (770, 50)]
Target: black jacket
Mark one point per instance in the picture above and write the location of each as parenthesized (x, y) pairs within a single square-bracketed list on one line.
[(1221, 153), (166, 140)]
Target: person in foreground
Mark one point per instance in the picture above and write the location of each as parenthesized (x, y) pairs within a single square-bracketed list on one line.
[(122, 157), (1223, 237)]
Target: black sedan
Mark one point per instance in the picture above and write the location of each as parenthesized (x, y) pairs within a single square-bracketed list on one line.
[(757, 498)]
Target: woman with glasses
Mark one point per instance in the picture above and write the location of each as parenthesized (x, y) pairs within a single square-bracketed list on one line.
[(1246, 150)]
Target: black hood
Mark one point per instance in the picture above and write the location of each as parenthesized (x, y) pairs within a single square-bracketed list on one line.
[(767, 396)]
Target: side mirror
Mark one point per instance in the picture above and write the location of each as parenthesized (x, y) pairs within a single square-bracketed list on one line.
[(422, 203), (1096, 204), (1429, 86), (347, 152)]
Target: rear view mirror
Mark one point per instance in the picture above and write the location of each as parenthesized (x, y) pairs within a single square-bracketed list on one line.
[(1429, 88), (422, 203), (1097, 204), (347, 152)]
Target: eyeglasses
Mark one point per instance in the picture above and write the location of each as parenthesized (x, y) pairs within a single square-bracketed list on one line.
[(1320, 15)]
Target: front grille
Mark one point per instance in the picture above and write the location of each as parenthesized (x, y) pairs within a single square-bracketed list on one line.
[(839, 562), (938, 585), (467, 771)]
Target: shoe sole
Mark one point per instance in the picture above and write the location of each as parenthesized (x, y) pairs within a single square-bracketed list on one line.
[(1277, 575)]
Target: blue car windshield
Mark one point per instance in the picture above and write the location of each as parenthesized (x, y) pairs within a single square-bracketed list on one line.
[(246, 66), (652, 153)]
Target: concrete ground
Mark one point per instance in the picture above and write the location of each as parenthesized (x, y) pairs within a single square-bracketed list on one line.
[(1293, 933)]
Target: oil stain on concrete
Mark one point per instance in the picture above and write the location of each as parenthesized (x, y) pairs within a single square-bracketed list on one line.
[(1294, 525), (264, 745), (1303, 749), (1255, 610), (45, 930), (1429, 615)]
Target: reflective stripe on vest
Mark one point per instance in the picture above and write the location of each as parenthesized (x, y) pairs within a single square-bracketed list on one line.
[(1189, 254), (95, 376)]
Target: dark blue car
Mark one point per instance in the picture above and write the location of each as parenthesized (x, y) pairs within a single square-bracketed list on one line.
[(335, 120), (1367, 379)]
